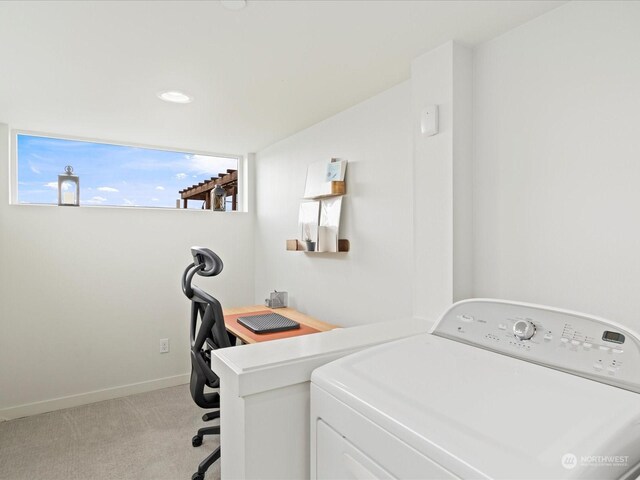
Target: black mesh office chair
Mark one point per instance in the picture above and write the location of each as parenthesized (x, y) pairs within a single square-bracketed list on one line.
[(210, 335)]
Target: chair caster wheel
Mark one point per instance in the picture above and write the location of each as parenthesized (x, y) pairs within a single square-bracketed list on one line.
[(196, 442), (197, 476)]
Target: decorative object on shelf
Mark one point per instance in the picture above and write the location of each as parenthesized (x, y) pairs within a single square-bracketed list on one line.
[(326, 179), (310, 245), (336, 170), (277, 299), (219, 198), (68, 188), (330, 209), (308, 216)]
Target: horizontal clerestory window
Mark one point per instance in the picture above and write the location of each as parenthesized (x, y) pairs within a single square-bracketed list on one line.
[(122, 175)]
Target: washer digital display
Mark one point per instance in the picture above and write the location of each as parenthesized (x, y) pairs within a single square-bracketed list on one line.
[(614, 337)]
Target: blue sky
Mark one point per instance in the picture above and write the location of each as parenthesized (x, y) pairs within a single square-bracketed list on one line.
[(111, 174)]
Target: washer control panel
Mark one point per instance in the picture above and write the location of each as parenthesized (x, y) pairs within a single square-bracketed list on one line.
[(572, 342)]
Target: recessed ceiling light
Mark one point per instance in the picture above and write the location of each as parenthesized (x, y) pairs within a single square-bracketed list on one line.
[(234, 4), (175, 97)]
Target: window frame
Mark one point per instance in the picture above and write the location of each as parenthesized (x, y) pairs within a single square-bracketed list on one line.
[(242, 196)]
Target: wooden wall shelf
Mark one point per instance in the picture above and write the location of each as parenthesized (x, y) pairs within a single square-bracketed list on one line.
[(298, 246), (338, 187)]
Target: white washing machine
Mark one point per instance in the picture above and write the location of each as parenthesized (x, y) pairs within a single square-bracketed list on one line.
[(496, 390)]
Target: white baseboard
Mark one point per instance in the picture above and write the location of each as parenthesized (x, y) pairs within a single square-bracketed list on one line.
[(91, 397)]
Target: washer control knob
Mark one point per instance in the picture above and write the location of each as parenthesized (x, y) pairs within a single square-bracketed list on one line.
[(524, 329)]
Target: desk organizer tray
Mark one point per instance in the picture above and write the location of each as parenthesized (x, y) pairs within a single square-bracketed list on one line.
[(268, 323)]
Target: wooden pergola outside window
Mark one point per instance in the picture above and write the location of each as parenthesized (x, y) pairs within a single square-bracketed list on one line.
[(203, 191)]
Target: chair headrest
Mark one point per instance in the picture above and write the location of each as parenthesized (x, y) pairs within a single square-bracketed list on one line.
[(212, 262)]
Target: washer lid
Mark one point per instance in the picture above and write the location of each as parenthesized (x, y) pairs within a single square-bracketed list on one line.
[(503, 417)]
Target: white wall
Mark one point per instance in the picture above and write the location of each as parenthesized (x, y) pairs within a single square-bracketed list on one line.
[(88, 292), (442, 167), (557, 161), (372, 282)]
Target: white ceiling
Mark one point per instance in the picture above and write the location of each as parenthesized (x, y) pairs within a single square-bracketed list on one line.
[(93, 69)]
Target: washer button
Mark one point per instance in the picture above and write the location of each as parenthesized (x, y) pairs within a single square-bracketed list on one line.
[(564, 340), (465, 318), (587, 346), (616, 350), (612, 370), (597, 366), (575, 342), (502, 326), (603, 348)]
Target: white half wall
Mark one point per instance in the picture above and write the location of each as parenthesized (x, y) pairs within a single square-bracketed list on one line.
[(88, 292), (372, 282), (557, 161)]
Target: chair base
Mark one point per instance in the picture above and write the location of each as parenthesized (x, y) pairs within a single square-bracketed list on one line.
[(210, 416), (209, 431), (196, 441), (205, 464)]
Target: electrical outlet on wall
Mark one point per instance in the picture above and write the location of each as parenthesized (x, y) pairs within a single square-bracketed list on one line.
[(164, 345)]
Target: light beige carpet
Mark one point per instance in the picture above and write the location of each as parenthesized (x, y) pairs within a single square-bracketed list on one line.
[(142, 437)]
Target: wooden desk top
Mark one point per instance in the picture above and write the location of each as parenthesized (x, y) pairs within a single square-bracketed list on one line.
[(307, 324)]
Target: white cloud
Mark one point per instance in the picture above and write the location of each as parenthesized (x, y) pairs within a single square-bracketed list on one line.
[(54, 185), (128, 203), (97, 200), (159, 187), (181, 176), (155, 199), (206, 165), (108, 189), (34, 169), (203, 164)]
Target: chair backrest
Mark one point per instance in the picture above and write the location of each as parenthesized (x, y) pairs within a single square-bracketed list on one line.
[(207, 326)]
